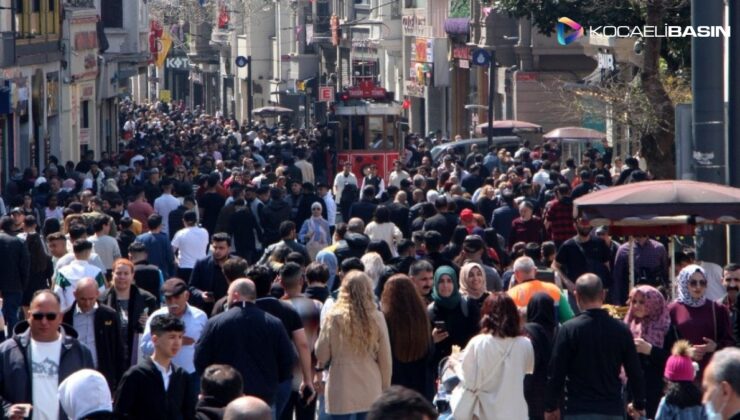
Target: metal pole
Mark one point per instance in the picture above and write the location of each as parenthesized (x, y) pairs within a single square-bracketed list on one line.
[(707, 80), (250, 104), (733, 137), (491, 93)]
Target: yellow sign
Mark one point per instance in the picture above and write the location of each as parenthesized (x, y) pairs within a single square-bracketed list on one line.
[(163, 48), (165, 95)]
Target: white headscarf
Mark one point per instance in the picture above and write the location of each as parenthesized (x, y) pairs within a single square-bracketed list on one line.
[(85, 392), (684, 294)]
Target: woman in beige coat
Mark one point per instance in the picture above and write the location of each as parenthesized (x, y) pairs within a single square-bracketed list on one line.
[(353, 345)]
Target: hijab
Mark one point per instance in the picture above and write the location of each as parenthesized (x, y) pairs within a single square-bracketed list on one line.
[(657, 320), (330, 260), (465, 286), (541, 311), (453, 300), (684, 295)]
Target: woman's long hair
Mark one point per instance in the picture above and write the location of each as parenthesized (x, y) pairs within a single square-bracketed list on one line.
[(500, 316), (407, 319), (39, 260), (354, 313)]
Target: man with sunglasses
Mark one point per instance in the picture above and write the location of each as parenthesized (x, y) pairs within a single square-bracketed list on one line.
[(52, 355)]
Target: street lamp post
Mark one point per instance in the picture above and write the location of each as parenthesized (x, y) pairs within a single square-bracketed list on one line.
[(470, 107), (491, 92)]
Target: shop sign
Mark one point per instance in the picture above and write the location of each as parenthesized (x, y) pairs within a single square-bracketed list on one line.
[(463, 64), (415, 24), (461, 52), (424, 50), (414, 89)]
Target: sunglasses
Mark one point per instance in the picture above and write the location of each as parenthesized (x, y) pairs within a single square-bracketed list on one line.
[(38, 316), (695, 283)]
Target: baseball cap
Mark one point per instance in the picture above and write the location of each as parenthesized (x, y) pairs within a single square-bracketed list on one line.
[(174, 287), (16, 210)]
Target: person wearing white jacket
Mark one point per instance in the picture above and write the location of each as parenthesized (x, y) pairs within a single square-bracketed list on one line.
[(382, 229)]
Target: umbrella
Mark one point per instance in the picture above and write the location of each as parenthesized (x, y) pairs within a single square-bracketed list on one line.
[(271, 111), (574, 133), (514, 125), (702, 201)]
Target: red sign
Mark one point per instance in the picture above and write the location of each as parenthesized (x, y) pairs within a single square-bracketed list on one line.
[(526, 77), (326, 93), (366, 90), (461, 52)]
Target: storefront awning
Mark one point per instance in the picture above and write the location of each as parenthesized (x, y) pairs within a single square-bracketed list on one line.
[(457, 26)]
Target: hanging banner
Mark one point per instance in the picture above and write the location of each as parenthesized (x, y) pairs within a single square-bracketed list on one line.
[(163, 48)]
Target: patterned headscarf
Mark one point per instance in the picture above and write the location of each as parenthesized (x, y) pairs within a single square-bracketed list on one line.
[(465, 286), (453, 300), (684, 294), (656, 322)]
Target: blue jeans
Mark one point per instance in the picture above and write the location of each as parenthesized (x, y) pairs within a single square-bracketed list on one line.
[(282, 398), (353, 416), (11, 305)]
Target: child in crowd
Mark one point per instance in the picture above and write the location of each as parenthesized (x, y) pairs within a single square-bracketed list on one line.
[(682, 400)]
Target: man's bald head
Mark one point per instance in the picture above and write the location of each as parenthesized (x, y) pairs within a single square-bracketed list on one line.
[(589, 289), (86, 294), (242, 290), (247, 408)]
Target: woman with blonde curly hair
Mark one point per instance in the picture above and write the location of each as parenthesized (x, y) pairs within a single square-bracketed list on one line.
[(354, 343)]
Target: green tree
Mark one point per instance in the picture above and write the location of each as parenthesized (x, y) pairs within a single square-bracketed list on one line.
[(657, 143)]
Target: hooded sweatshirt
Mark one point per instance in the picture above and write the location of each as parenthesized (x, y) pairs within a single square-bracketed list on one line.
[(85, 392)]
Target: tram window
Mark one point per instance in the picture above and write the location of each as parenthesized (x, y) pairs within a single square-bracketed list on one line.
[(376, 133)]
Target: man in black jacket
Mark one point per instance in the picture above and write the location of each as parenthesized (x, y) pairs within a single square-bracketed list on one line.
[(55, 357), (273, 214), (155, 388), (219, 385), (207, 282), (146, 276), (365, 208), (98, 328), (439, 221), (589, 353), (249, 339), (15, 262)]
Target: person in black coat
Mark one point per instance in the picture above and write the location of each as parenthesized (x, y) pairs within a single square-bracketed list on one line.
[(440, 221), (308, 198), (273, 213), (249, 339), (106, 331), (365, 208), (245, 230), (541, 328), (15, 261), (219, 385), (143, 394)]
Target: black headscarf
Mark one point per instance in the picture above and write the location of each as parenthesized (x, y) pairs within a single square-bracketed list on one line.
[(541, 311), (540, 327)]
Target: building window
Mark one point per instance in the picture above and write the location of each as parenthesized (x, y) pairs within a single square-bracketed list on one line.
[(36, 18), (85, 114), (112, 15)]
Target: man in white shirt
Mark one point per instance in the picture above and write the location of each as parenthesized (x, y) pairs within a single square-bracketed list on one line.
[(68, 276), (105, 245), (342, 179), (190, 244), (166, 203), (542, 176), (331, 205), (397, 175), (305, 166), (176, 297)]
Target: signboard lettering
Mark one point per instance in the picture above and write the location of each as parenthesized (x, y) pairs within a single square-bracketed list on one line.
[(326, 93)]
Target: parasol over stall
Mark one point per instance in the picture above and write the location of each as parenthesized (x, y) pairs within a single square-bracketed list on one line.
[(574, 133), (503, 127), (271, 111), (669, 207)]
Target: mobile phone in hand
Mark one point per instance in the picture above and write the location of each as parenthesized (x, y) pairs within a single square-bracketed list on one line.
[(440, 325)]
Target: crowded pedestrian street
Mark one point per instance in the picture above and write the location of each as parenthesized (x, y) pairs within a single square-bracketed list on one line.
[(235, 221)]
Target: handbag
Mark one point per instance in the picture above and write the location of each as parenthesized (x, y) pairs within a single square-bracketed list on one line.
[(464, 401)]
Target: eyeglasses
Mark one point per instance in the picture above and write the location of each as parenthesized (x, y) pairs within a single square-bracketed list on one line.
[(38, 316), (729, 279), (315, 209), (696, 283)]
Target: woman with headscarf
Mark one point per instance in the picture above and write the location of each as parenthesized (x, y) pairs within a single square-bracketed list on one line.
[(702, 322), (650, 323), (473, 283), (541, 327), (315, 232), (329, 259), (454, 318)]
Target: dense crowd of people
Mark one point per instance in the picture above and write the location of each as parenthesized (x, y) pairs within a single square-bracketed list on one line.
[(217, 270)]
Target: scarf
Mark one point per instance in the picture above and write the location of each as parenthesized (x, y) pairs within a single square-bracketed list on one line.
[(329, 259), (452, 301), (465, 287), (684, 295), (657, 320)]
